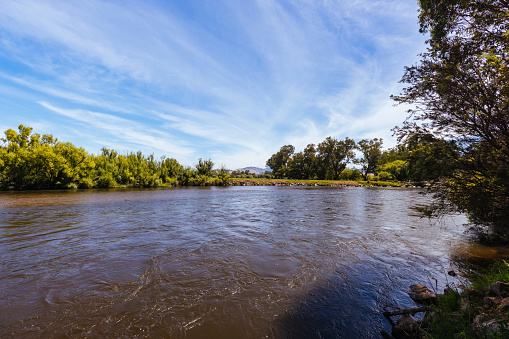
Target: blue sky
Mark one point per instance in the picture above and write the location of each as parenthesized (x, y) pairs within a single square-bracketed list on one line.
[(230, 80)]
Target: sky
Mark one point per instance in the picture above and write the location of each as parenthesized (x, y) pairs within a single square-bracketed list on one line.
[(229, 80)]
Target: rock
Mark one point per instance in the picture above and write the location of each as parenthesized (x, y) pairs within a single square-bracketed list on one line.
[(386, 335), (485, 325), (448, 290), (406, 328), (499, 289), (422, 294), (504, 304), (491, 301)]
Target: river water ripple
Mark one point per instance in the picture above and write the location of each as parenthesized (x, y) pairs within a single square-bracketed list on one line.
[(235, 262)]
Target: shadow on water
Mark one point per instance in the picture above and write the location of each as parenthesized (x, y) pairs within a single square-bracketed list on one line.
[(352, 306), (346, 306)]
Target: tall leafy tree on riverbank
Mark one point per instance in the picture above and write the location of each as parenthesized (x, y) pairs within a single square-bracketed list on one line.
[(460, 91), (333, 157), (278, 162), (371, 153), (325, 161), (30, 161)]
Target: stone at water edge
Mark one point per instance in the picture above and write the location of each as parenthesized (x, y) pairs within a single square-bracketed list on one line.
[(421, 294), (504, 304), (499, 289), (491, 301), (406, 328)]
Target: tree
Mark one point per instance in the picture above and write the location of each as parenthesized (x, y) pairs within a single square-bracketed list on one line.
[(296, 166), (278, 162), (204, 167), (334, 156), (310, 162), (223, 178), (460, 91), (29, 161), (371, 154), (397, 169), (430, 158)]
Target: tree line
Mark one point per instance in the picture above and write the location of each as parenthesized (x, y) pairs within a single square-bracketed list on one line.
[(33, 161), (421, 157)]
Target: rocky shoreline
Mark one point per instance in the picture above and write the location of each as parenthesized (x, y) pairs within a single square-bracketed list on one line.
[(317, 183), (472, 313)]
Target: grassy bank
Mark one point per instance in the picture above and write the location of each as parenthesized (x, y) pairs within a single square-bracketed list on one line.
[(479, 309), (329, 183)]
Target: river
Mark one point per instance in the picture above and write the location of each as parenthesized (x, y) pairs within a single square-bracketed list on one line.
[(214, 262)]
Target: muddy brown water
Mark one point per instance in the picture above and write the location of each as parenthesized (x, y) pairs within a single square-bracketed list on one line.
[(235, 262)]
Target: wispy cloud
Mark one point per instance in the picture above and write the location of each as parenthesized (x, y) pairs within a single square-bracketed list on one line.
[(232, 80)]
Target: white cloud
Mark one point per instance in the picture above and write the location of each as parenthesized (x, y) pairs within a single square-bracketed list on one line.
[(234, 80), (126, 130)]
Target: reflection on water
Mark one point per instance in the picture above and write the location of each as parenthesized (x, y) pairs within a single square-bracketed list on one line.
[(236, 262)]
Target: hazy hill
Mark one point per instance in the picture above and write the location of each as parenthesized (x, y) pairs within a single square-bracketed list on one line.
[(255, 170)]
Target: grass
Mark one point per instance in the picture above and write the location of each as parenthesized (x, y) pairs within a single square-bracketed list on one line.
[(288, 182), (455, 314)]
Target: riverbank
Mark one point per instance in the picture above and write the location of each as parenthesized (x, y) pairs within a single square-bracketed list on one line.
[(214, 181), (327, 183), (479, 308)]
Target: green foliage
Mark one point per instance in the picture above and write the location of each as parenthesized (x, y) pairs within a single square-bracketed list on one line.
[(371, 154), (204, 167), (187, 176), (223, 178), (31, 161), (326, 161), (351, 174), (279, 162), (497, 271), (394, 170), (460, 90), (454, 315)]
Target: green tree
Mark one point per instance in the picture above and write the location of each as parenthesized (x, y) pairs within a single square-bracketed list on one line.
[(296, 166), (278, 162), (460, 91), (333, 157), (397, 169), (223, 178), (430, 158), (204, 167), (187, 176), (32, 161), (371, 153), (169, 169), (310, 162)]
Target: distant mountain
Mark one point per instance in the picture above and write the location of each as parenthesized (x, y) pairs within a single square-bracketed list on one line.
[(255, 170)]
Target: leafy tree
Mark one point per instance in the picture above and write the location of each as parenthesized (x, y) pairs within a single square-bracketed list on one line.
[(278, 162), (460, 91), (204, 167), (333, 157), (187, 176), (310, 162), (430, 158), (31, 161), (296, 166), (397, 169), (352, 174), (371, 154), (223, 178), (169, 168)]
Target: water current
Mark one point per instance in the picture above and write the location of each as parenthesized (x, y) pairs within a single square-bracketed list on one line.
[(235, 262)]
